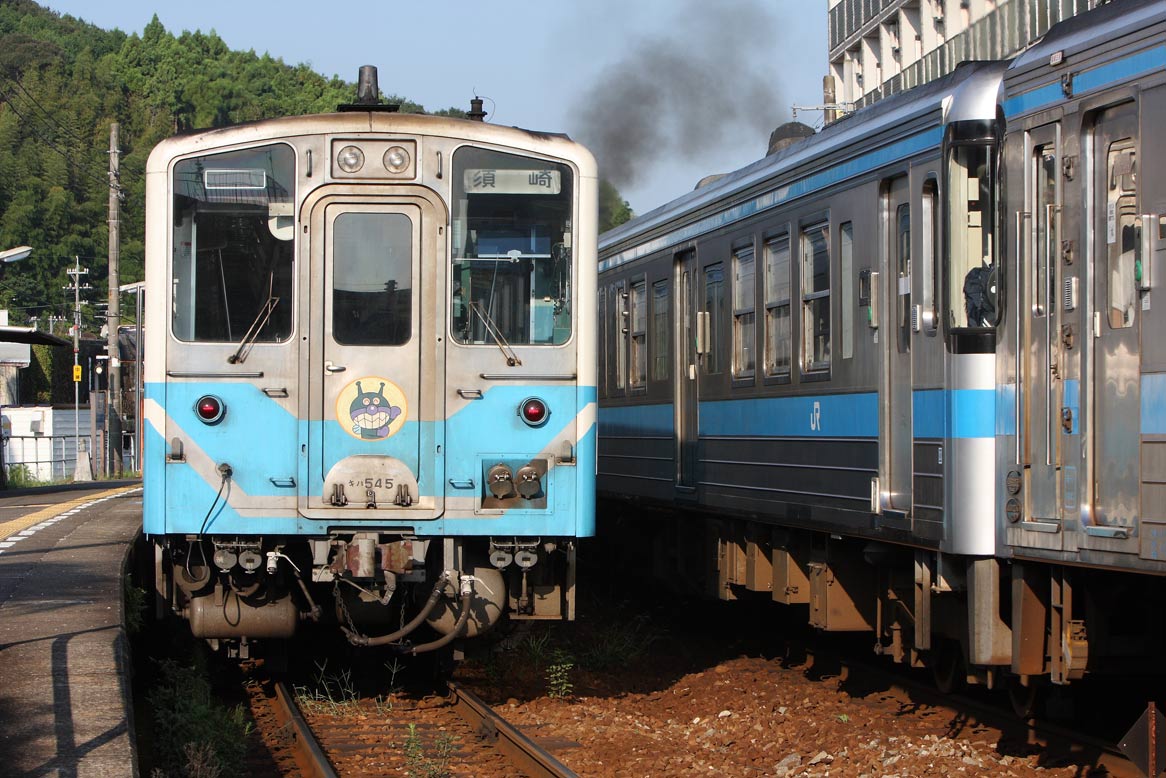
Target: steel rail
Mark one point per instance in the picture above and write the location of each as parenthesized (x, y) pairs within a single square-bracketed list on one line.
[(309, 756), (522, 752)]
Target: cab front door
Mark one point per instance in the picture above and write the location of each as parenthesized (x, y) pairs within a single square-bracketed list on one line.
[(372, 443)]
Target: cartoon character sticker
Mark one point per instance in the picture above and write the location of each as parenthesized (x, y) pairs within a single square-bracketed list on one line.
[(371, 415)]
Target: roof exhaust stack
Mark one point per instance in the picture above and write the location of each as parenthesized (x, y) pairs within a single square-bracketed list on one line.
[(367, 91), (368, 94), (476, 114)]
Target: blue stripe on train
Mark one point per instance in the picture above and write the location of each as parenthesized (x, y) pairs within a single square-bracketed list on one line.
[(1087, 80), (272, 438), (971, 413)]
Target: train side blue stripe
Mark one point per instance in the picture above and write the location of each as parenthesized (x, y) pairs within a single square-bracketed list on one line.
[(971, 413), (865, 163), (1088, 80), (1154, 404)]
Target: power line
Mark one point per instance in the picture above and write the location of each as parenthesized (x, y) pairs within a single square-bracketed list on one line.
[(43, 110), (51, 145)]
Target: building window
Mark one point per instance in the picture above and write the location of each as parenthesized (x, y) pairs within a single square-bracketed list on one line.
[(744, 325), (777, 286), (660, 331), (639, 335), (816, 297)]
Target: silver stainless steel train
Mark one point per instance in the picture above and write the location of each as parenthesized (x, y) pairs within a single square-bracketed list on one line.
[(370, 375), (909, 372)]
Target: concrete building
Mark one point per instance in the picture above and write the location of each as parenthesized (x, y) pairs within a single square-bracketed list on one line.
[(880, 47)]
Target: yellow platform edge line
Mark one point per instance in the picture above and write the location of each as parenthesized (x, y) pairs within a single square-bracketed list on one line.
[(24, 522)]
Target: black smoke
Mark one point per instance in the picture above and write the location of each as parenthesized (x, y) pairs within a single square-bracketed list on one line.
[(705, 76)]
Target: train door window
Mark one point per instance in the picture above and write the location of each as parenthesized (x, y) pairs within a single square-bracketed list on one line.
[(1123, 234), (815, 247), (617, 319), (659, 331), (511, 248), (639, 335), (714, 305), (233, 245), (903, 270), (744, 323), (928, 246), (604, 351), (846, 270), (971, 286), (372, 279), (777, 302)]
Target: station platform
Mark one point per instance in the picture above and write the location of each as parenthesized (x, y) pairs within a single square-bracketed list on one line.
[(65, 700)]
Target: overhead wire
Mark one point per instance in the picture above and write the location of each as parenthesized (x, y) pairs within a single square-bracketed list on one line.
[(88, 169)]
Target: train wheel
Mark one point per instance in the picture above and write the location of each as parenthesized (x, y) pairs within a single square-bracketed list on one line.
[(947, 666), (1024, 699)]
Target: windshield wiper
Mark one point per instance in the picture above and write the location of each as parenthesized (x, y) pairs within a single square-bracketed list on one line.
[(503, 345), (253, 331)]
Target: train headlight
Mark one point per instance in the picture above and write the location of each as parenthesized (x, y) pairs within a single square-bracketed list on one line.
[(350, 159), (534, 411), (396, 160), (210, 409)]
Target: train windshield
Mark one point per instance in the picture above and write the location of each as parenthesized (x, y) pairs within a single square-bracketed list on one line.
[(972, 276), (511, 279), (232, 256)]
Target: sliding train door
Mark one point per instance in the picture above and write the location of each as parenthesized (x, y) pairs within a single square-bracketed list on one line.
[(1040, 384), (896, 434), (1117, 321), (686, 402)]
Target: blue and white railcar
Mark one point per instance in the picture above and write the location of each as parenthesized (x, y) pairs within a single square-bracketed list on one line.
[(909, 371), (371, 371)]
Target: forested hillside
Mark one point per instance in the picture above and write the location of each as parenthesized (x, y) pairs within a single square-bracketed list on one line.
[(63, 82)]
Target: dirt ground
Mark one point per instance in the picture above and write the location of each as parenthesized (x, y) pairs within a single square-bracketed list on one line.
[(684, 690)]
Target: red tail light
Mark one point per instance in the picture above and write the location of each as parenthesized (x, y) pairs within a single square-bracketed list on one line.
[(534, 411), (210, 409)]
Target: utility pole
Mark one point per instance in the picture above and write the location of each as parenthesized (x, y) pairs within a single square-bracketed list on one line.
[(76, 273), (113, 414)]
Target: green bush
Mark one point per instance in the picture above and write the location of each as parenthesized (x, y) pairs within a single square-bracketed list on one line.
[(191, 726)]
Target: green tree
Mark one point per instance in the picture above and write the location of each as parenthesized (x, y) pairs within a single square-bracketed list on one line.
[(613, 209)]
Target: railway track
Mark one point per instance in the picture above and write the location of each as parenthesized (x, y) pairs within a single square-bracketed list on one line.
[(455, 734)]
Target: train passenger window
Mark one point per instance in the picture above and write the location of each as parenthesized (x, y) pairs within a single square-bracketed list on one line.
[(511, 248), (1123, 234), (744, 326), (714, 305), (971, 284), (777, 286), (232, 246), (639, 335), (816, 297), (372, 279), (660, 331)]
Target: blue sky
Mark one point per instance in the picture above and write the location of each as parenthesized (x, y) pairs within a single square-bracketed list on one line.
[(664, 91)]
